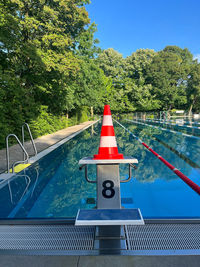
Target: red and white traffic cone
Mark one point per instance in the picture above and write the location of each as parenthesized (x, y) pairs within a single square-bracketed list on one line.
[(108, 145)]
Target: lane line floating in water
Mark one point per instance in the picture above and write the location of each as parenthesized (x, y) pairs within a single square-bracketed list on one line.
[(164, 129), (189, 182), (173, 124), (162, 120)]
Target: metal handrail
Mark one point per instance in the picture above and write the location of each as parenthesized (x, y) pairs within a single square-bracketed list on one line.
[(36, 180), (121, 181), (32, 141), (27, 185), (130, 173), (86, 174), (7, 153)]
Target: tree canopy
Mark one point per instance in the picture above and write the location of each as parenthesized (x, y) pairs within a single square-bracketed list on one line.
[(50, 63)]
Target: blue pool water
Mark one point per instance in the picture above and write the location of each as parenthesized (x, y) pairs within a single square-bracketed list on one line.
[(54, 187)]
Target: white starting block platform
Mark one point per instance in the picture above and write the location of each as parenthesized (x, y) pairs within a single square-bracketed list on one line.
[(109, 217), (90, 160)]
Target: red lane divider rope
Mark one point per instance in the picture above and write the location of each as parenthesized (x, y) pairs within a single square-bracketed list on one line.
[(189, 182)]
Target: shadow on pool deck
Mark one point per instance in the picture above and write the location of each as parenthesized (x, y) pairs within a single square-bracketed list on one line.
[(41, 144)]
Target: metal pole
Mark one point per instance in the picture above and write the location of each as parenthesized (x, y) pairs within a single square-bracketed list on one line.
[(31, 137), (7, 152)]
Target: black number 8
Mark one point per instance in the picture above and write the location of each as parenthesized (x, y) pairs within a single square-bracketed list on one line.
[(108, 187)]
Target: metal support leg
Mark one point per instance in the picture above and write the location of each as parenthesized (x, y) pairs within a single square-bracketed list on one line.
[(109, 238)]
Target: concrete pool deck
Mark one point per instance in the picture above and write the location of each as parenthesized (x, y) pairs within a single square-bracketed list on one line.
[(41, 143), (99, 261)]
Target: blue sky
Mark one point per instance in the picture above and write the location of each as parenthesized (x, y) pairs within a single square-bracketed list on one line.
[(128, 25)]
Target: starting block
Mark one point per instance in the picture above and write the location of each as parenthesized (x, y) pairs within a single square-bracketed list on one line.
[(109, 217)]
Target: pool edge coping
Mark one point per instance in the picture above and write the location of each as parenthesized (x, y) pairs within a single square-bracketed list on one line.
[(6, 176)]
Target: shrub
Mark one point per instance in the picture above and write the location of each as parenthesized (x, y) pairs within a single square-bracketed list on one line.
[(47, 123)]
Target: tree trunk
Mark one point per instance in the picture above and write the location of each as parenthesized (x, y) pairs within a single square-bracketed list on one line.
[(190, 110), (91, 111), (191, 106), (170, 107)]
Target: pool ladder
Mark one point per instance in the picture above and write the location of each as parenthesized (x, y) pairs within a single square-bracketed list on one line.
[(25, 154)]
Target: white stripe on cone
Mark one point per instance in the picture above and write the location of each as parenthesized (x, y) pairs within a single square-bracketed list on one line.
[(107, 120), (108, 141)]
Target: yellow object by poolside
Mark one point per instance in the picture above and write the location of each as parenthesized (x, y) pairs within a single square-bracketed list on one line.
[(20, 167)]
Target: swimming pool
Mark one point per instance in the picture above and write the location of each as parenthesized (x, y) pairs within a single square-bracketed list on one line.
[(54, 187)]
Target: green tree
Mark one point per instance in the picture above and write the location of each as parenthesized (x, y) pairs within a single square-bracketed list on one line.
[(38, 56), (193, 88), (43, 53), (184, 54), (113, 65), (168, 75), (137, 63), (88, 86), (86, 44), (140, 94)]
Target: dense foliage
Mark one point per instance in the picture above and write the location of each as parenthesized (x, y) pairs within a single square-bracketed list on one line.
[(52, 74), (149, 80)]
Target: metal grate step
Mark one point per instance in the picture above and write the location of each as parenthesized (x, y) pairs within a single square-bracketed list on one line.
[(164, 237), (179, 238), (46, 237)]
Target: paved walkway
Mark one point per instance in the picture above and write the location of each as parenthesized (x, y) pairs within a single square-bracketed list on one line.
[(41, 144)]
